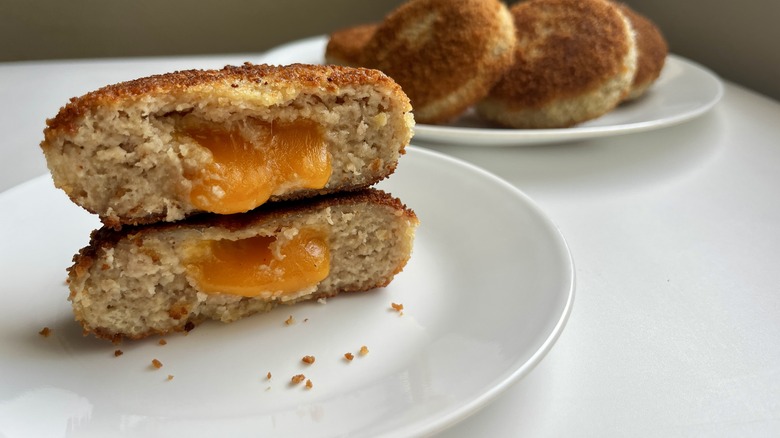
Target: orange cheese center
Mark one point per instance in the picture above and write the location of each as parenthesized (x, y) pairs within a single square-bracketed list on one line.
[(250, 165), (252, 267)]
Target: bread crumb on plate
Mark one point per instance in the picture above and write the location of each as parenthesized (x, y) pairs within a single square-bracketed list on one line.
[(298, 378)]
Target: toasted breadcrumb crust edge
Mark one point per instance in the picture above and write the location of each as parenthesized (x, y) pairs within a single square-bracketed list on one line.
[(107, 237), (304, 76)]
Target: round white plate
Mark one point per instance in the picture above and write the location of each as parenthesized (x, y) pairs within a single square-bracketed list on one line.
[(486, 294), (684, 91)]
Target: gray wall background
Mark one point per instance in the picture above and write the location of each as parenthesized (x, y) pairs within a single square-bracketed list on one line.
[(738, 40)]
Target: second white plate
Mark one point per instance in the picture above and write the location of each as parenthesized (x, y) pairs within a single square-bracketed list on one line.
[(684, 91)]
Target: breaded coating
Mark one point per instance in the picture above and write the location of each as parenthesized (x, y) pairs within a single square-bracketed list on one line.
[(345, 46), (445, 54), (575, 61)]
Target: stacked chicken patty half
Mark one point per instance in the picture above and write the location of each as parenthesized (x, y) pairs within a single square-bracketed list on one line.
[(224, 193)]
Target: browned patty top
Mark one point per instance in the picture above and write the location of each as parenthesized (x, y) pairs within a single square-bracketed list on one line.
[(651, 45), (300, 76), (431, 47), (565, 48), (347, 44)]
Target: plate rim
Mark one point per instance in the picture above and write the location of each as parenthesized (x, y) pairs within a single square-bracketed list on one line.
[(479, 402), (445, 418)]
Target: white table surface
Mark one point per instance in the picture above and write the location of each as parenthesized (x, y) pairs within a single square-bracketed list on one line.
[(675, 235)]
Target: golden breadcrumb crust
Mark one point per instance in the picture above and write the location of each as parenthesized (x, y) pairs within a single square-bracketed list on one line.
[(345, 46), (106, 237), (575, 61), (445, 54), (297, 76), (565, 48), (652, 50)]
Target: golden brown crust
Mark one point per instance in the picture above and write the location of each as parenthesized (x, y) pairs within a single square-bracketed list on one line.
[(302, 75), (565, 48), (108, 237), (345, 46), (297, 196), (433, 48), (117, 338), (651, 45)]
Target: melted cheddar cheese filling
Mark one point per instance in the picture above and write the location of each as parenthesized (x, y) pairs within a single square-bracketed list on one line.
[(260, 266), (254, 160)]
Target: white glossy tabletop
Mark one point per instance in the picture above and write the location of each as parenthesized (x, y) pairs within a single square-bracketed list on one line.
[(675, 329)]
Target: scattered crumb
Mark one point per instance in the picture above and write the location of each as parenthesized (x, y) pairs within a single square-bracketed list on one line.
[(322, 301), (170, 377), (298, 378), (305, 319), (397, 307), (118, 353), (349, 356), (268, 376), (363, 350), (290, 320), (156, 363), (162, 342), (308, 384), (45, 332), (308, 359)]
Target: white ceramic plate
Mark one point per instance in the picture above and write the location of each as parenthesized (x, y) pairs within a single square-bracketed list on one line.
[(684, 91), (486, 294)]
